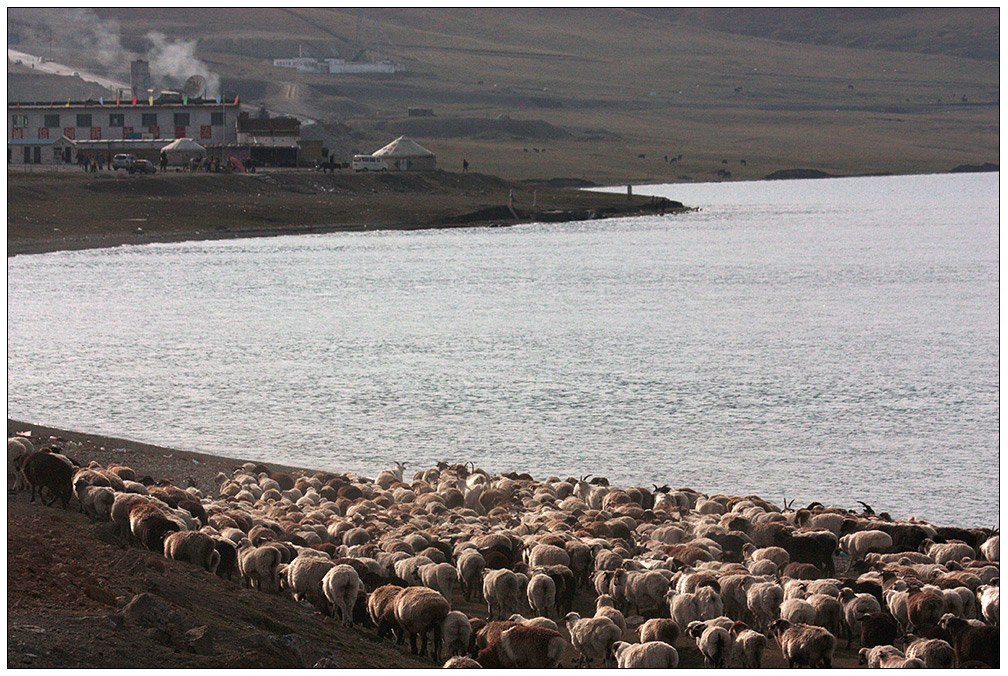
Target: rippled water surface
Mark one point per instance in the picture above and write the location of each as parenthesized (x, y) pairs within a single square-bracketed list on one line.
[(832, 340)]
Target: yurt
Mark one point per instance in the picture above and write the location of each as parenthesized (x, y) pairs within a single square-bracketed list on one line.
[(405, 154), (181, 150)]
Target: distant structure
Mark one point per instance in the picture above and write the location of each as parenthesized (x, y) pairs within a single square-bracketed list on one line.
[(405, 154), (420, 112), (307, 64), (140, 78)]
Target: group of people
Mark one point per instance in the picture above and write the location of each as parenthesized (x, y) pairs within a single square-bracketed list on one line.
[(94, 164)]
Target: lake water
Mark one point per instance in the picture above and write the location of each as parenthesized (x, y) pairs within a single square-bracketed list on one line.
[(831, 340)]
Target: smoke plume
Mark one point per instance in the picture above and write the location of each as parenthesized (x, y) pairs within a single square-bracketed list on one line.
[(174, 61)]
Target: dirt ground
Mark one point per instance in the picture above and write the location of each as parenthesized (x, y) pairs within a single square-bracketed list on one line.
[(68, 578), (59, 210)]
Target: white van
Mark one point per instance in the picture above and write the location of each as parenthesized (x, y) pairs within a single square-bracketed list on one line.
[(368, 163)]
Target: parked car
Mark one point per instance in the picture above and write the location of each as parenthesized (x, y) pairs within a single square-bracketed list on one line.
[(123, 161), (369, 163), (143, 167)]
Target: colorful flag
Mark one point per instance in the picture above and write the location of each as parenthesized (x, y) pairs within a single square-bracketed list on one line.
[(101, 100), (134, 100), (150, 99), (218, 98), (185, 100), (236, 100), (68, 103)]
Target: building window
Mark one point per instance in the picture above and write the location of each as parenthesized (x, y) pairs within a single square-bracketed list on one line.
[(52, 120), (217, 119), (148, 119), (116, 119), (19, 120), (83, 120), (181, 119)]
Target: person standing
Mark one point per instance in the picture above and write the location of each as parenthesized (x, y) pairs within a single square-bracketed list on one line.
[(465, 165)]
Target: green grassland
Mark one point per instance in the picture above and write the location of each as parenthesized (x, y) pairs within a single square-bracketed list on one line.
[(841, 91)]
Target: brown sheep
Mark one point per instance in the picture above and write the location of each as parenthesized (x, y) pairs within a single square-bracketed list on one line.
[(381, 609), (46, 470), (149, 525), (804, 645), (524, 647), (192, 546), (659, 629), (924, 609)]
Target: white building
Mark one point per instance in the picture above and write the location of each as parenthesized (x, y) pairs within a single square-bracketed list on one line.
[(40, 125)]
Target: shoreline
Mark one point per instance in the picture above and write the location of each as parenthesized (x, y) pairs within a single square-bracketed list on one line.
[(106, 211)]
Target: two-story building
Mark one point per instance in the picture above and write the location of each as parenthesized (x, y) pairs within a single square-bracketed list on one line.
[(36, 131)]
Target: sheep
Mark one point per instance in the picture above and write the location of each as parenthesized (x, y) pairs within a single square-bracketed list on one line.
[(703, 604), (303, 577), (896, 602), (592, 637), (441, 577), (798, 611), (878, 629), (535, 622), (856, 606), (777, 555), (747, 646), (420, 610), (340, 586), (815, 548), (804, 645), (990, 550), (259, 566), (461, 663), (924, 609), (381, 608), (989, 598), (763, 599), (948, 551), (97, 501), (856, 545), (651, 655), (934, 652), (887, 657), (541, 593), (149, 525), (524, 647), (500, 589), (18, 448), (604, 608), (714, 642), (456, 632), (658, 629), (548, 555), (192, 546), (408, 569), (829, 612), (980, 644), (645, 591), (47, 470), (470, 565), (228, 557)]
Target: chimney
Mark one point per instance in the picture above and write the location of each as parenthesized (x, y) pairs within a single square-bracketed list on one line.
[(140, 79)]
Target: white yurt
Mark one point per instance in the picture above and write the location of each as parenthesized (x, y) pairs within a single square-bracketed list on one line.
[(405, 154), (181, 150)]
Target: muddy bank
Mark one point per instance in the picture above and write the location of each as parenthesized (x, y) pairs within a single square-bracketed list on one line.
[(68, 210)]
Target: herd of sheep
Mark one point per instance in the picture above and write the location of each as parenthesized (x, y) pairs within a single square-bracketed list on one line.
[(730, 574)]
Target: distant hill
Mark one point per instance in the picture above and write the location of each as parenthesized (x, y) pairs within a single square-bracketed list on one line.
[(967, 32)]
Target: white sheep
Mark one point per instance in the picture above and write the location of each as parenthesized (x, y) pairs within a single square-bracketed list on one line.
[(548, 555), (714, 642), (541, 592), (748, 646), (989, 597), (194, 547), (934, 652), (97, 501), (866, 541), (408, 569), (856, 606), (888, 657), (469, 564), (604, 607), (456, 630), (991, 548), (420, 611), (944, 552), (542, 622), (764, 600), (798, 611), (341, 585), (592, 637), (646, 591), (651, 655), (501, 592), (439, 576)]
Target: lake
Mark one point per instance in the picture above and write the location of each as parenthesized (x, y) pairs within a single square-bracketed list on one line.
[(831, 340)]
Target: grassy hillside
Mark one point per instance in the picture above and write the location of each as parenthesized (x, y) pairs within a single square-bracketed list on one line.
[(842, 91)]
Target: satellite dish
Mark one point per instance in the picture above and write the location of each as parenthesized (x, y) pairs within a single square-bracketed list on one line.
[(195, 86)]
